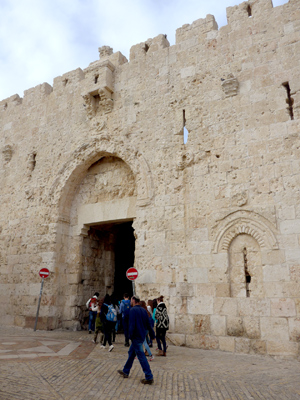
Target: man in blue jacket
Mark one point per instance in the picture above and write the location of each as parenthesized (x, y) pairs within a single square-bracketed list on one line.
[(124, 310), (138, 326)]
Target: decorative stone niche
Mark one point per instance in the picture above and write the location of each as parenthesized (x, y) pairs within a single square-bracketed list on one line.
[(230, 86)]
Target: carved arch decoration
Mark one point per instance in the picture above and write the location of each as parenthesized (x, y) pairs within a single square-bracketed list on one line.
[(74, 170), (245, 222)]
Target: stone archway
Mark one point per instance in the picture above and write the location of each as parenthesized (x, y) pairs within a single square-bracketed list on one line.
[(97, 186)]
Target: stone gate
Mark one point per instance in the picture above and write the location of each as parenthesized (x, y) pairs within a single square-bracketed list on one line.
[(97, 176)]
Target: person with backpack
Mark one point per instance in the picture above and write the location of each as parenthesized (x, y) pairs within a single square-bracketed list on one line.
[(114, 302), (92, 314), (124, 310), (162, 325), (108, 317)]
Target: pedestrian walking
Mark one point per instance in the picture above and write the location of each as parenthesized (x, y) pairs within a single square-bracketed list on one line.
[(138, 326), (114, 302), (150, 309), (162, 325), (145, 344), (108, 323), (124, 310), (98, 324), (92, 314)]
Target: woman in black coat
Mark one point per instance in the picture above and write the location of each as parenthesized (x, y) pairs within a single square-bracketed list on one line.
[(162, 325)]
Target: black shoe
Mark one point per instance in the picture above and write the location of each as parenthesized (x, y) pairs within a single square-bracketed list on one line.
[(122, 373), (90, 332), (147, 381), (126, 344)]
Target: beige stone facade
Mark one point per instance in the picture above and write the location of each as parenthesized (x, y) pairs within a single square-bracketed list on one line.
[(95, 172)]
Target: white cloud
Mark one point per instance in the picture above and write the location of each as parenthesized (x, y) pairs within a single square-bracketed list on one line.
[(42, 39)]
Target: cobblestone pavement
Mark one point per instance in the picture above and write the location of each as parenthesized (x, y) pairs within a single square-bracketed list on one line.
[(67, 365)]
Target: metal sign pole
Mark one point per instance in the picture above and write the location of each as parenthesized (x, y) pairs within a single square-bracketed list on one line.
[(38, 309), (133, 288)]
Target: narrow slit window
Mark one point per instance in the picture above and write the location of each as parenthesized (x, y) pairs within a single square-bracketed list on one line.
[(96, 78), (249, 11), (289, 99), (185, 131)]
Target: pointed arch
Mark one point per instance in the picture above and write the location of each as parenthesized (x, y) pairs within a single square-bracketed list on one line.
[(245, 222), (74, 170)]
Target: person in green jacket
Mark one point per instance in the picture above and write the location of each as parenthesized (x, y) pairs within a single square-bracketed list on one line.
[(98, 323)]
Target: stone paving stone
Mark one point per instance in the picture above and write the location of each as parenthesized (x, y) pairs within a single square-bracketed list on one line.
[(188, 374)]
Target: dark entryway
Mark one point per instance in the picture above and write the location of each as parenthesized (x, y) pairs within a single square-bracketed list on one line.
[(107, 253), (124, 258)]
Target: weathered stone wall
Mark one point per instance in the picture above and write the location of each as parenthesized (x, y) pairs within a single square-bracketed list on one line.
[(206, 213)]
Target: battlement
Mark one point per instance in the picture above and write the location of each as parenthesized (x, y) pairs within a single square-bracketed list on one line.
[(200, 31), (197, 29), (149, 46)]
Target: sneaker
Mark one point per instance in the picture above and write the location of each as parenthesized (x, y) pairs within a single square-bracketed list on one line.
[(151, 358), (122, 373), (110, 348), (102, 347), (147, 381), (94, 341)]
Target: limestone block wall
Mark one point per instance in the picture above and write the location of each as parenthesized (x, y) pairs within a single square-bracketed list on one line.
[(216, 219)]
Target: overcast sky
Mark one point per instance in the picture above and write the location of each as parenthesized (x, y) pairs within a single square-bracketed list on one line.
[(42, 39)]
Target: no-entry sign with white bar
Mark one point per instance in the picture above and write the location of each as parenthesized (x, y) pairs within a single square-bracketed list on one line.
[(44, 273), (132, 274)]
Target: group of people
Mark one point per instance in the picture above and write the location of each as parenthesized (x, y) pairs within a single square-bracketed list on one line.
[(138, 321)]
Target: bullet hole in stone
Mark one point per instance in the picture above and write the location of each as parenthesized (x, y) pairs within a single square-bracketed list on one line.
[(96, 78), (247, 275), (217, 155), (249, 11), (289, 100), (33, 161)]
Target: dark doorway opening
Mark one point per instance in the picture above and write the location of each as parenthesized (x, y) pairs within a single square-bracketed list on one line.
[(108, 252), (124, 258)]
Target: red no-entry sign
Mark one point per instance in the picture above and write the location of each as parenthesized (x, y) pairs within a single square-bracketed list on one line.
[(132, 274), (44, 273)]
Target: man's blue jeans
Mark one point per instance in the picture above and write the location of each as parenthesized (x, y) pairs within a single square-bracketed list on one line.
[(92, 320), (125, 322), (136, 349)]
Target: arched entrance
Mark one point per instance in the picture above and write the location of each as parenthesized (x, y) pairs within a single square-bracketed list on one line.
[(104, 183), (95, 239)]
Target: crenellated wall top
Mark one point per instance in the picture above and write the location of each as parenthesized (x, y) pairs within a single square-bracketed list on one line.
[(201, 30)]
